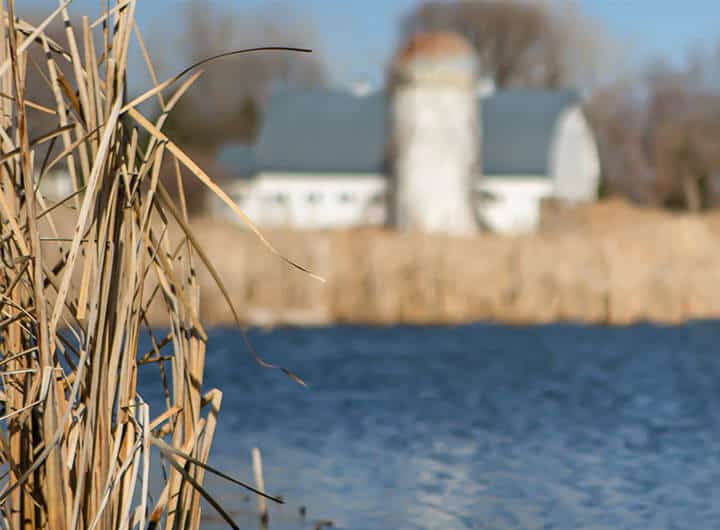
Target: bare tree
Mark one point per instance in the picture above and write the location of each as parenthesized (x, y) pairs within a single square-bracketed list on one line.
[(520, 43), (225, 104), (684, 143), (659, 134), (618, 117)]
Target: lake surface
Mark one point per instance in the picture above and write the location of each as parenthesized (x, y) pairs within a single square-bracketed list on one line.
[(474, 427)]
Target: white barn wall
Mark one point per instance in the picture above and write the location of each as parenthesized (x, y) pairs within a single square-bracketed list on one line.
[(575, 161), (515, 208), (56, 184), (575, 175), (309, 201)]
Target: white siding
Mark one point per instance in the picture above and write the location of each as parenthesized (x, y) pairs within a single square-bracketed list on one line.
[(575, 161), (307, 201), (56, 185), (511, 204)]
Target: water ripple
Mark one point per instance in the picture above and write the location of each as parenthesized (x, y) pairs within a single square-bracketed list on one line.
[(477, 427)]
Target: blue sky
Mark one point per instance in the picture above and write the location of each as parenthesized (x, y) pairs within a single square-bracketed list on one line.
[(357, 36)]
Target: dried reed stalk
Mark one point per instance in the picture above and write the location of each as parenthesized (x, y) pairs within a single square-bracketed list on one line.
[(76, 435)]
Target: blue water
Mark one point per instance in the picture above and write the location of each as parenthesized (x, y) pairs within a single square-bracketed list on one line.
[(474, 427)]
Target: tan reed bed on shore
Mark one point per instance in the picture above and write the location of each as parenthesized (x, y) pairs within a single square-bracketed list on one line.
[(76, 436)]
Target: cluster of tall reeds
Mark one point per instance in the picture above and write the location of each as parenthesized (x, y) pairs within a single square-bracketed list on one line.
[(76, 436)]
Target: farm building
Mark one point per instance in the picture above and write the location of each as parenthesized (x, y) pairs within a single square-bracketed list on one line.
[(318, 162), (536, 144), (431, 153)]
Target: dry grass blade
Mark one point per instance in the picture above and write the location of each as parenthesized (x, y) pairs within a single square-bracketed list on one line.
[(79, 275), (209, 498), (165, 198), (166, 449), (34, 35), (162, 86), (217, 190), (35, 142)]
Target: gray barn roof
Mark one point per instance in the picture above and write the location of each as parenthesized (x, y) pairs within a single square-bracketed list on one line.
[(323, 131), (517, 130), (238, 159)]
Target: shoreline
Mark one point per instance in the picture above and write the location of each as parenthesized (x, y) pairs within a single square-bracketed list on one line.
[(608, 263)]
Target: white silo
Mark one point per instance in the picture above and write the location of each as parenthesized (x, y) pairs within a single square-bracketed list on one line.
[(434, 142)]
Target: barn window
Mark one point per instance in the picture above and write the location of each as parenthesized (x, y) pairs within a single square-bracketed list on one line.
[(346, 197), (275, 198), (378, 199), (314, 198), (485, 196)]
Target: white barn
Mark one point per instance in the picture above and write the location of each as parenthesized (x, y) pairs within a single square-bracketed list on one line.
[(330, 159), (318, 162), (536, 144)]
